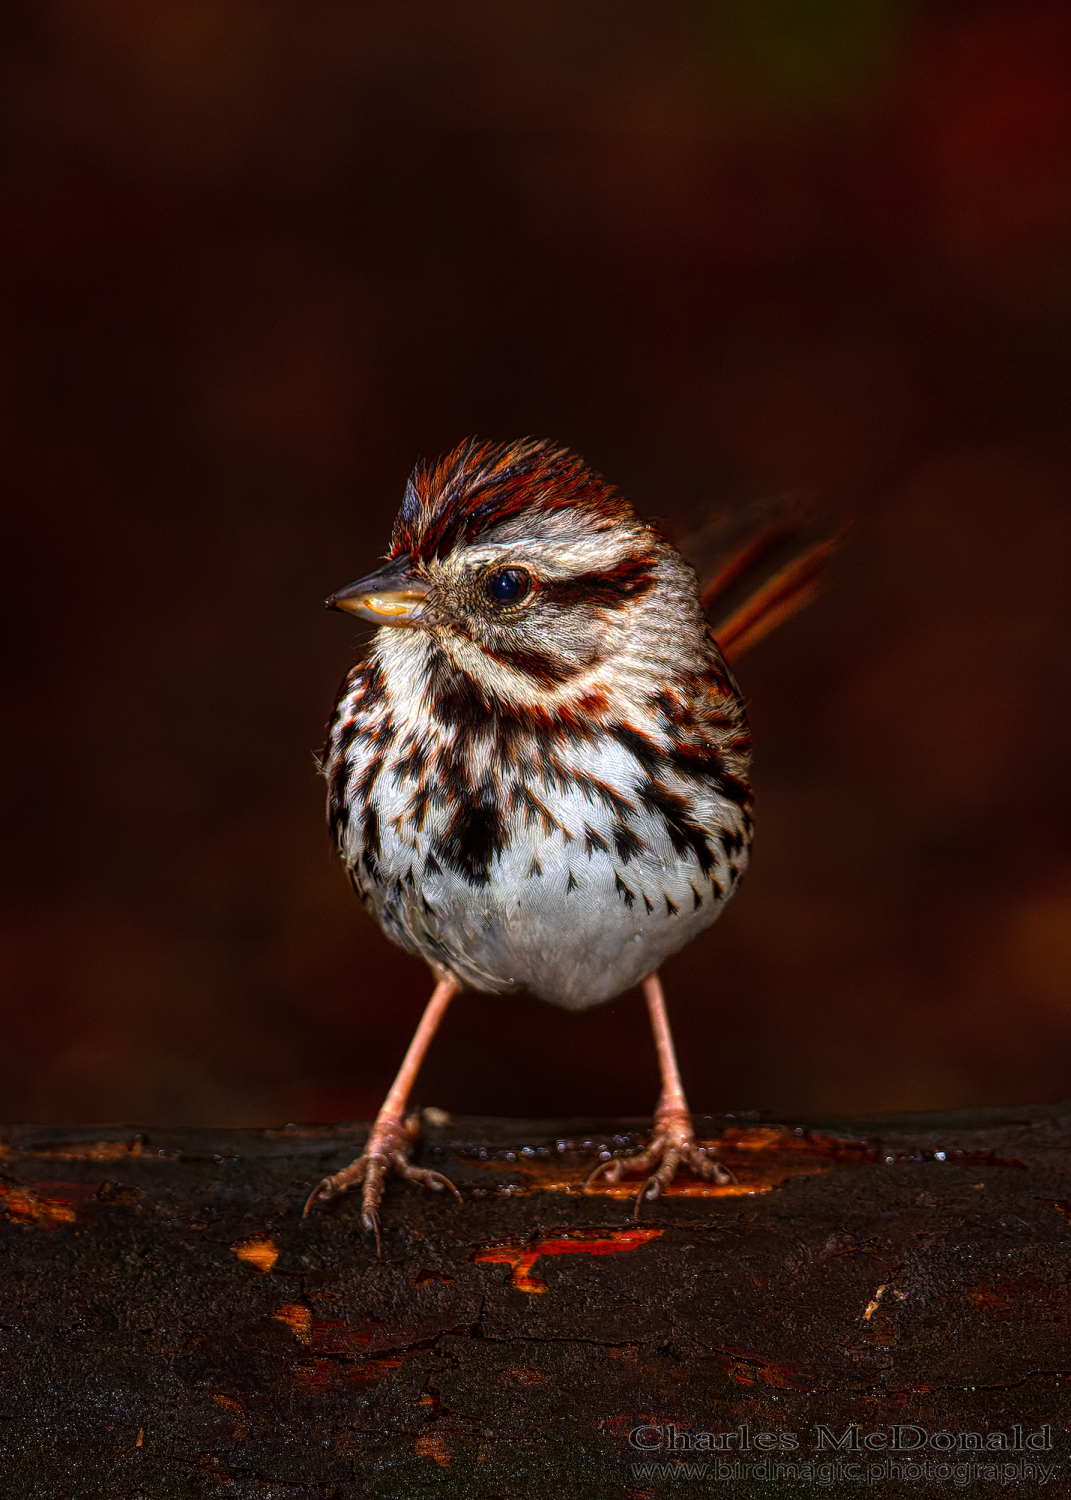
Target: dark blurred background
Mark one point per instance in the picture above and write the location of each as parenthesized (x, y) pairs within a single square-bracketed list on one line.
[(260, 255)]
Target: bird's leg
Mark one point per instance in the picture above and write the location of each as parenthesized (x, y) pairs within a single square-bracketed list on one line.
[(387, 1147), (672, 1143)]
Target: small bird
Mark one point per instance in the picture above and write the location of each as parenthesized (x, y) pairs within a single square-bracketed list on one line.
[(538, 776)]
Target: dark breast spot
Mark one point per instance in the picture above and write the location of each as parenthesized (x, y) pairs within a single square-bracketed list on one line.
[(417, 808), (476, 836), (455, 697), (594, 840), (522, 798), (705, 763), (367, 779), (345, 737), (684, 832), (411, 765), (338, 812), (597, 791), (370, 832), (626, 843), (640, 745)]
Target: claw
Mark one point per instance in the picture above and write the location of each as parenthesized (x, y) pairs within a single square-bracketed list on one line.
[(650, 1189), (321, 1190)]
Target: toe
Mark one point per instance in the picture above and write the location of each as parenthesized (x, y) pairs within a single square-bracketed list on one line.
[(610, 1171), (434, 1180)]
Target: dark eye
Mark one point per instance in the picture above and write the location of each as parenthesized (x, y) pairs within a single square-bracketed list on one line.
[(508, 585)]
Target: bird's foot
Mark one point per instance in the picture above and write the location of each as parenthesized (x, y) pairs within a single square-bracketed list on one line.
[(386, 1150), (671, 1147)]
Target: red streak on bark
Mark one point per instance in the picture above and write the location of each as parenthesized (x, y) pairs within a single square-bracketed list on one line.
[(523, 1257)]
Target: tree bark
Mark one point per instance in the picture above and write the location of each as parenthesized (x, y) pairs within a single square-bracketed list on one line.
[(171, 1327)]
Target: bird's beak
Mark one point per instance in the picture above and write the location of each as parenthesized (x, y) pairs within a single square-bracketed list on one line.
[(393, 596)]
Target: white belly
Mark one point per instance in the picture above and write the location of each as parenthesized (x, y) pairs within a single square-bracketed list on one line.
[(561, 913)]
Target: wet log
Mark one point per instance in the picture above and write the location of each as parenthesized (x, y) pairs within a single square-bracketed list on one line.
[(868, 1293)]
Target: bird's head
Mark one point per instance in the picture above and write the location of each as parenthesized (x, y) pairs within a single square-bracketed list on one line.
[(525, 564)]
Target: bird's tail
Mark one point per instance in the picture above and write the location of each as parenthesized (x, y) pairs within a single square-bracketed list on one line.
[(762, 568)]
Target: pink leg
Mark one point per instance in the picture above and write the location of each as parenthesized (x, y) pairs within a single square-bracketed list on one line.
[(672, 1144), (387, 1146)]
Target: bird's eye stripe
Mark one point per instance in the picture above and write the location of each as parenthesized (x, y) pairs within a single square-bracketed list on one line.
[(629, 580)]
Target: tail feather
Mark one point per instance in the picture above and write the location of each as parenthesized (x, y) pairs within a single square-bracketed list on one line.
[(776, 600), (753, 555), (768, 562)]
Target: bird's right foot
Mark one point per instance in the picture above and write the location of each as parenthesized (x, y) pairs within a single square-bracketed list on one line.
[(386, 1150)]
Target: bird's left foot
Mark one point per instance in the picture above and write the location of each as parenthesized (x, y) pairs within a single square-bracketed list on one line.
[(671, 1148)]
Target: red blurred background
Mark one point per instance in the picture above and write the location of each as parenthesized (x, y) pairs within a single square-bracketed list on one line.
[(259, 255)]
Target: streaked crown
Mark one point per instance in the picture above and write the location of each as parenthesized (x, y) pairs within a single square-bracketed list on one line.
[(479, 487)]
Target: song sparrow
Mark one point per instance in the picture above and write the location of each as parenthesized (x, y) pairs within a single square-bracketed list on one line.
[(538, 777)]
